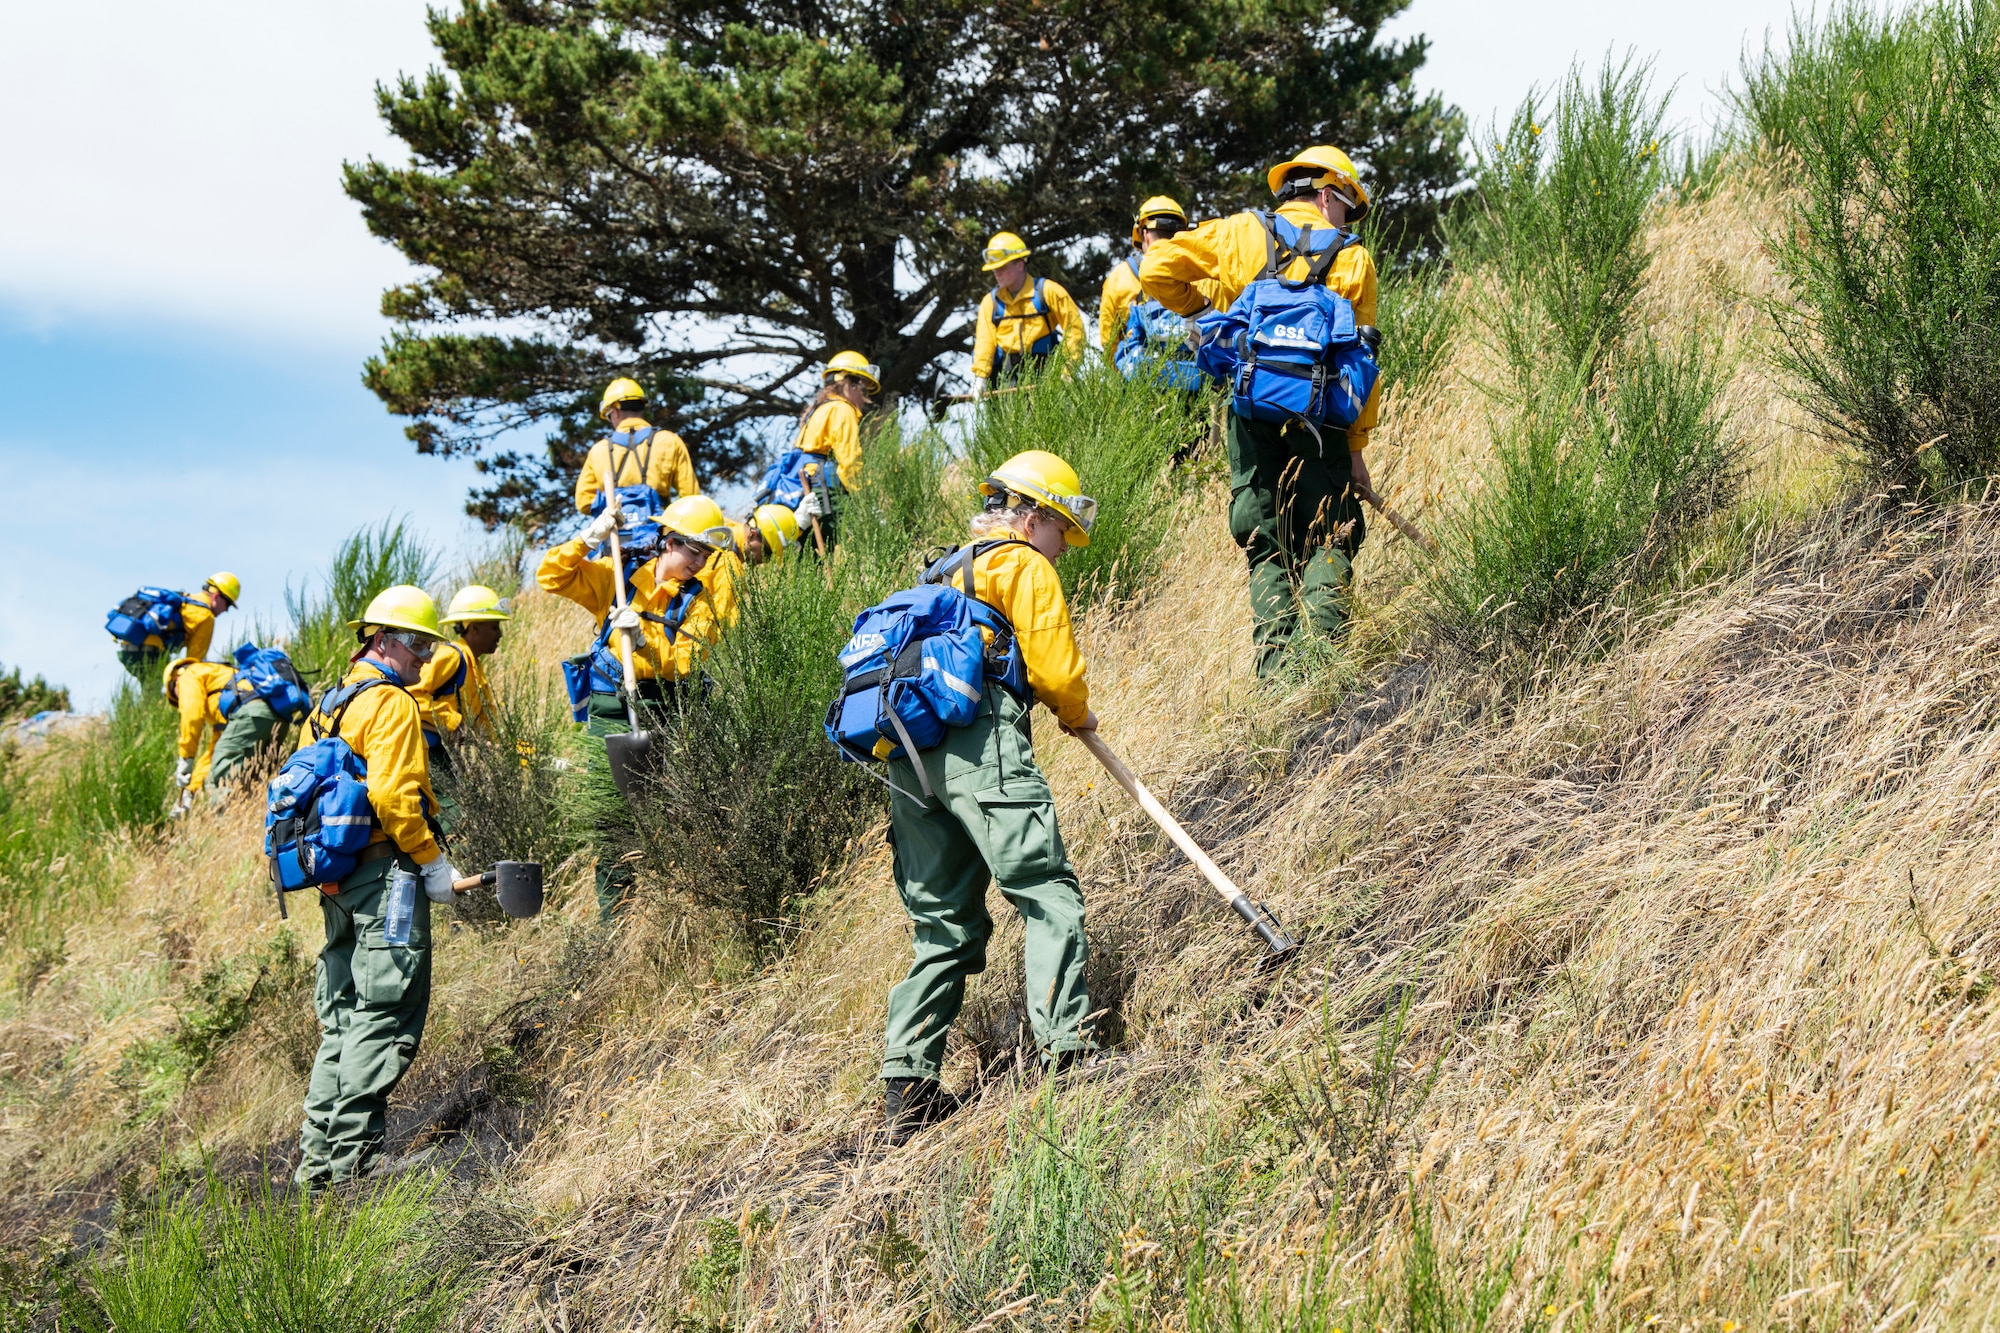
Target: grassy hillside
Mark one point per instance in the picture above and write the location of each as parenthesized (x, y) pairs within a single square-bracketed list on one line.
[(1645, 863)]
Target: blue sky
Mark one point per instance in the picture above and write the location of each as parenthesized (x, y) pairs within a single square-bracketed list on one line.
[(186, 297)]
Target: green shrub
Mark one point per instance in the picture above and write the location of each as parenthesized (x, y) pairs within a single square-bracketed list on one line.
[(1890, 125), (1557, 215), (1591, 488), (19, 698), (370, 560), (1419, 311), (213, 1261), (209, 1011)]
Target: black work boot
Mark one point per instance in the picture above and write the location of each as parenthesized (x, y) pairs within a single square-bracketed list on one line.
[(913, 1103)]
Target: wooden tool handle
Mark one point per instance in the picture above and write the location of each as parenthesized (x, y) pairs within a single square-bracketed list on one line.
[(1401, 524), (471, 882), (626, 644), (1151, 805)]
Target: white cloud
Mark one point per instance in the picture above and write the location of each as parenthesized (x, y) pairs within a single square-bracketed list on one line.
[(183, 160)]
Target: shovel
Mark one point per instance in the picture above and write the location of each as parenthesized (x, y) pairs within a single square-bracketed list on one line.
[(516, 885), (1282, 945), (626, 754)]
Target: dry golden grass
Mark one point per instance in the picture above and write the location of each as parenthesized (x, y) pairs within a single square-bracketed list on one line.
[(1695, 937)]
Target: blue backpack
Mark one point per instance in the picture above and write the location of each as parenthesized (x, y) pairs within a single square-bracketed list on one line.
[(640, 504), (1156, 344), (149, 612), (268, 674), (1290, 350), (599, 671), (784, 482), (318, 818), (917, 665)]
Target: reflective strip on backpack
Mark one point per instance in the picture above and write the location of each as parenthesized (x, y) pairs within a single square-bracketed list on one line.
[(958, 686), (341, 820)]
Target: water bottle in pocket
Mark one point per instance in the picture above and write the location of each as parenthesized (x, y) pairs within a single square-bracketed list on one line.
[(401, 906)]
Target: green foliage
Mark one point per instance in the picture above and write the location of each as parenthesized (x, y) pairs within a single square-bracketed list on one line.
[(1419, 311), (370, 560), (1558, 215), (370, 1263), (1591, 488), (1609, 445), (210, 1010), (64, 804), (661, 150), (1037, 1219), (1890, 125), (19, 698)]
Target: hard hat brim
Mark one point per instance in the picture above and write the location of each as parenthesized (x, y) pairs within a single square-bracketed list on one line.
[(997, 264)]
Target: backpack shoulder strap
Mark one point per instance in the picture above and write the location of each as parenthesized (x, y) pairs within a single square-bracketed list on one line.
[(999, 307), (1040, 302), (1132, 262), (341, 698)]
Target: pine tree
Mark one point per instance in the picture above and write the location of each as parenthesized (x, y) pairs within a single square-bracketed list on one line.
[(713, 197)]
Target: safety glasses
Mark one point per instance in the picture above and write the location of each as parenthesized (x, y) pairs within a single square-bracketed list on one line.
[(1081, 510), (419, 646)]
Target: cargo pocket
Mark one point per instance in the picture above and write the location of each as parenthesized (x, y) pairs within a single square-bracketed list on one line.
[(383, 973), (1020, 843)]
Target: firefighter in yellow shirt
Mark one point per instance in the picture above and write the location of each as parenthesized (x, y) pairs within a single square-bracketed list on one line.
[(640, 453), (767, 534), (453, 694), (373, 992), (197, 691), (1158, 218), (155, 621), (829, 441), (990, 815), (1295, 502), (1022, 322), (672, 617)]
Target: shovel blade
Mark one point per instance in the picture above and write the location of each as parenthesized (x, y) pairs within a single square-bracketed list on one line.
[(517, 887), (627, 756)]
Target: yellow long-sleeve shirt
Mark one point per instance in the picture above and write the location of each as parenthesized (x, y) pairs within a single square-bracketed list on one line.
[(1230, 252), (835, 428), (384, 726), (446, 707), (198, 691), (1017, 335), (1114, 306), (568, 571), (1019, 582), (662, 462), (198, 621)]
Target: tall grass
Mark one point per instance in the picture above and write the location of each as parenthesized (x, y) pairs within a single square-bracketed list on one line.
[(208, 1259), (1890, 125), (64, 804), (370, 560)]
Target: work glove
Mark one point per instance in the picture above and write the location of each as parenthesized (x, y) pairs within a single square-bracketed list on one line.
[(599, 529), (808, 508), (979, 388), (625, 619), (437, 877), (184, 772)]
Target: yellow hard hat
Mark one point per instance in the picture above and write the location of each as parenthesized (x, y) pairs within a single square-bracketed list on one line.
[(1333, 168), (401, 607), (1048, 481), (227, 584), (853, 363), (1159, 206), (699, 519), (1004, 249), (475, 601), (620, 390), (169, 681), (780, 527)]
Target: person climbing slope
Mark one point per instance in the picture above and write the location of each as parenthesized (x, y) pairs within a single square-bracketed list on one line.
[(153, 622), (636, 453), (824, 463), (453, 694), (1157, 219), (1295, 491), (1022, 322), (197, 691), (980, 810)]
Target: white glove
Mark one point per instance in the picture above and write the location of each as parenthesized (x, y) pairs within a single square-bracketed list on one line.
[(599, 528), (979, 388), (438, 876), (627, 619), (808, 508), (184, 772)]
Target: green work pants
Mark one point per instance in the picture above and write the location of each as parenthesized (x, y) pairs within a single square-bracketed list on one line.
[(612, 829), (1296, 516), (373, 998), (991, 817), (444, 786), (250, 728)]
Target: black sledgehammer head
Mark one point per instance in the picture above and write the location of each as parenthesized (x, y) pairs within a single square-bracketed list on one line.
[(626, 754), (517, 886), (1281, 944)]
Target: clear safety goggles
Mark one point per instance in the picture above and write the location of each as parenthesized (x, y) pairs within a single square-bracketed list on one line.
[(871, 371), (711, 539), (420, 646), (1078, 509), (1004, 256)]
